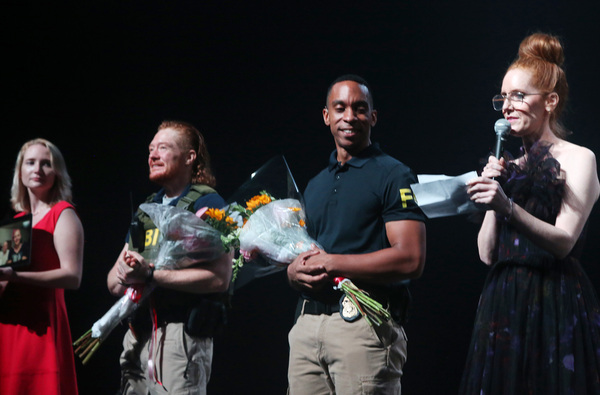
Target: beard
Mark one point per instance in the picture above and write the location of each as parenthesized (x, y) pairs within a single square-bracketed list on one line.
[(162, 177)]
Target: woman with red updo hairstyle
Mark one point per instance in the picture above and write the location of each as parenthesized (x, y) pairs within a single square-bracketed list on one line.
[(537, 328)]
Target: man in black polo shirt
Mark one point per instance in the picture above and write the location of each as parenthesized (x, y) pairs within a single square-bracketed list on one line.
[(361, 210)]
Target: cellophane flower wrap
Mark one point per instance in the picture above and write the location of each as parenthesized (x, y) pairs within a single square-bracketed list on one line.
[(277, 232), (185, 240)]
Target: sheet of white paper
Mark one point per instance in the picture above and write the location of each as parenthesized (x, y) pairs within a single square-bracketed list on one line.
[(424, 178), (444, 196)]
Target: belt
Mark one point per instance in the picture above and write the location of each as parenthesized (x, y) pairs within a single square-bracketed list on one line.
[(398, 301), (314, 307)]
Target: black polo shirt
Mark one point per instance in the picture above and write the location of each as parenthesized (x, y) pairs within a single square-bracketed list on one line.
[(347, 206)]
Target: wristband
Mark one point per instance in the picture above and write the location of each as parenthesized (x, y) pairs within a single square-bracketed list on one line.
[(150, 277)]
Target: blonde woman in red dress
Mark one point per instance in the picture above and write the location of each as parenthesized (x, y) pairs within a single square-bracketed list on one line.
[(36, 355)]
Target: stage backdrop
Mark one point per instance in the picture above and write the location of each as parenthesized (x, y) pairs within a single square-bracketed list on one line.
[(97, 79)]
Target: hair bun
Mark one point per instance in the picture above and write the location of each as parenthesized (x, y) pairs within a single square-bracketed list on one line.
[(542, 46)]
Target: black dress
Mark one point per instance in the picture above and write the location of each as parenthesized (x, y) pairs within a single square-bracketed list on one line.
[(537, 328)]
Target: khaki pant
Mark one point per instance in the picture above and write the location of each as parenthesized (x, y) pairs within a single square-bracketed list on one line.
[(182, 363), (331, 356)]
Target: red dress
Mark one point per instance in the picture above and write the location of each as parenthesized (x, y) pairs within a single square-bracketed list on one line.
[(36, 352)]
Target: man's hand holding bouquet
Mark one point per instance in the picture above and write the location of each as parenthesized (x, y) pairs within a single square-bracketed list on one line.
[(186, 240), (272, 229), (277, 232)]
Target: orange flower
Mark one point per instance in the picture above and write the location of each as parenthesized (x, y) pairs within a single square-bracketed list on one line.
[(216, 213), (230, 221), (220, 220), (257, 202), (301, 223)]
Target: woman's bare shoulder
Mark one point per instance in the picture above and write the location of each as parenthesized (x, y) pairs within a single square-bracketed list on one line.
[(570, 154)]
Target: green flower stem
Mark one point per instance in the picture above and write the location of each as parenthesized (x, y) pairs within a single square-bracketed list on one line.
[(94, 346), (86, 346), (82, 338), (372, 310)]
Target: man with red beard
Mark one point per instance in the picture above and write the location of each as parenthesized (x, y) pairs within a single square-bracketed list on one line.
[(187, 303)]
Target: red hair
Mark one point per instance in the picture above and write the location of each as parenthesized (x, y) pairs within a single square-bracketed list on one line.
[(191, 139), (543, 56)]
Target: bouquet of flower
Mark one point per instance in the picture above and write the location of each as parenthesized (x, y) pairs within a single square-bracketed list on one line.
[(87, 344), (244, 212), (277, 232), (186, 240)]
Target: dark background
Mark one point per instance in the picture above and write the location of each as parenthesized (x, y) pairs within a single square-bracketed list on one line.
[(96, 78)]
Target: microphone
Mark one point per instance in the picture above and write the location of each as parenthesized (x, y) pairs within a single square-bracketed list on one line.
[(502, 129)]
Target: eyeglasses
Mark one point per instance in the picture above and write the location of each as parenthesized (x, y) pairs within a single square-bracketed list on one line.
[(515, 97)]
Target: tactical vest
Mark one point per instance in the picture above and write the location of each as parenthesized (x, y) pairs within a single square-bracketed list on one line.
[(143, 234), (201, 313)]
